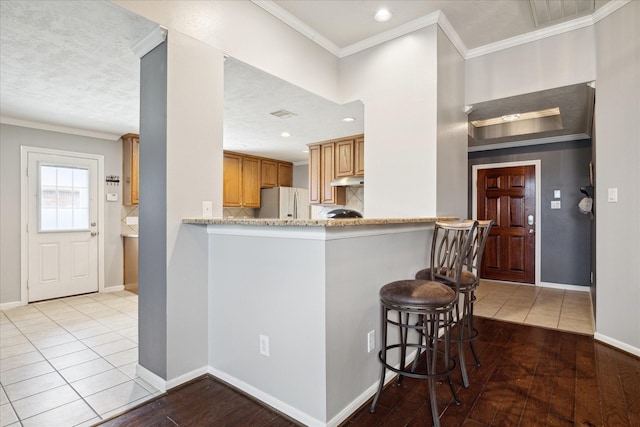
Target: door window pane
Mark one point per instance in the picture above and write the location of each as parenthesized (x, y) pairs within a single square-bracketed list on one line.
[(64, 198)]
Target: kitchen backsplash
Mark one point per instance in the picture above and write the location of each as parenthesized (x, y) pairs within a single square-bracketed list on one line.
[(239, 213), (355, 201), (354, 196), (128, 229)]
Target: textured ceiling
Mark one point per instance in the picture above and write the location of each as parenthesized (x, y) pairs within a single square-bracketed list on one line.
[(69, 63), (64, 64), (250, 95)]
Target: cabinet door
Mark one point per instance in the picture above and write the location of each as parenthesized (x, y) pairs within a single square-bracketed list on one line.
[(359, 156), (327, 166), (315, 181), (250, 182), (232, 181), (130, 168), (269, 173), (344, 158), (285, 174)]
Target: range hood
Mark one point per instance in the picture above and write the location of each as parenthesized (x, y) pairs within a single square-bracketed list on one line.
[(348, 181)]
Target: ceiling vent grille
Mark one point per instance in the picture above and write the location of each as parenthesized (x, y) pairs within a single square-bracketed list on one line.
[(554, 11), (283, 114)]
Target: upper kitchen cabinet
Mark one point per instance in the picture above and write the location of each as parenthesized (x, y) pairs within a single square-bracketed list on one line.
[(245, 175), (358, 156), (130, 168), (344, 157), (276, 173), (285, 174), (241, 181)]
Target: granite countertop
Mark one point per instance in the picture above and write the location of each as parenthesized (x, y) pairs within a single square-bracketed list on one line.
[(347, 222)]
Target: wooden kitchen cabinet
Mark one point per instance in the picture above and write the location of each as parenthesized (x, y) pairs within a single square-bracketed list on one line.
[(250, 182), (285, 174), (321, 173), (275, 173), (358, 156), (269, 174), (130, 168), (344, 158), (333, 159), (232, 180), (241, 181)]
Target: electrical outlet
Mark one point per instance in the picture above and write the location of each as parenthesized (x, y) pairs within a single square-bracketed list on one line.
[(264, 345), (371, 341)]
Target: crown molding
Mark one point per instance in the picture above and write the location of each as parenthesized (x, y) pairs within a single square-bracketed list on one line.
[(297, 25), (56, 128), (149, 42), (439, 18), (391, 34)]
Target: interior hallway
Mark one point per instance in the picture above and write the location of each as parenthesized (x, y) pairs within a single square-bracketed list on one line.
[(560, 309)]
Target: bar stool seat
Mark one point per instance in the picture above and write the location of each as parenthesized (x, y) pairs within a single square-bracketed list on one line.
[(425, 307)]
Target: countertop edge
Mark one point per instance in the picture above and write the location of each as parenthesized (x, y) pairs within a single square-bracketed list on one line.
[(314, 222)]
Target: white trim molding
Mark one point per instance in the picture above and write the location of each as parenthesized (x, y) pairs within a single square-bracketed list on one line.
[(439, 18), (618, 344), (565, 287), (57, 128), (151, 378)]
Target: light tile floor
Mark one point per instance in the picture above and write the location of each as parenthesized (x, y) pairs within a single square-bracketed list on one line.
[(70, 361), (533, 305)]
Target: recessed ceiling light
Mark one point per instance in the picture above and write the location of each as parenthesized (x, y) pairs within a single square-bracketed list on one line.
[(383, 15), (285, 134), (348, 119)]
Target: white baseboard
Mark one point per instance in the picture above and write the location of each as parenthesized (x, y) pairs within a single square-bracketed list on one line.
[(113, 288), (618, 344), (9, 305), (151, 378), (174, 382), (275, 403), (565, 287)]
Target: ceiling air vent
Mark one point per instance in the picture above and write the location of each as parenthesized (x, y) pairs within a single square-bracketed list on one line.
[(554, 11), (283, 114)]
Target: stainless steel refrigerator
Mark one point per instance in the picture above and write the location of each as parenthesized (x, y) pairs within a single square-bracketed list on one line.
[(284, 203)]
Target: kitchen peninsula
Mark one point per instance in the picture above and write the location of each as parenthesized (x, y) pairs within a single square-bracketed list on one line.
[(291, 304)]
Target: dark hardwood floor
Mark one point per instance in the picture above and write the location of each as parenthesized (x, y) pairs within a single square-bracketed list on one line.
[(529, 376)]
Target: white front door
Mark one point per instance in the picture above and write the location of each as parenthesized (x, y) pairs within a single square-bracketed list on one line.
[(62, 229)]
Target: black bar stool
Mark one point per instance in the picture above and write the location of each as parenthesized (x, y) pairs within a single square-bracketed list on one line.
[(469, 280), (426, 307)]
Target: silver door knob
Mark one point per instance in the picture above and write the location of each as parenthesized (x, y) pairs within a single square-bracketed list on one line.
[(532, 231)]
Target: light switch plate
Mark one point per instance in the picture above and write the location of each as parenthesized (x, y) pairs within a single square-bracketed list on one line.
[(555, 204), (556, 194), (112, 197), (612, 195), (207, 209)]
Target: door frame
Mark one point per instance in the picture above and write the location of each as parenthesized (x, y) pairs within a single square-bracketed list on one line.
[(25, 150), (474, 200)]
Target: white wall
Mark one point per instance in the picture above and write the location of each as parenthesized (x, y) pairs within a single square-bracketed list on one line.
[(617, 166), (452, 180), (12, 138), (557, 61), (397, 82)]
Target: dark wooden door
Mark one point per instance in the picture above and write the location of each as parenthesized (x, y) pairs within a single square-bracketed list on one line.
[(508, 196)]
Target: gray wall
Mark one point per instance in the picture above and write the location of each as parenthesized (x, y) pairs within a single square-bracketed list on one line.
[(152, 258), (301, 176), (566, 233), (12, 138)]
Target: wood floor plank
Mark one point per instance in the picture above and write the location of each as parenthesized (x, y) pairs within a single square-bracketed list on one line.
[(529, 376)]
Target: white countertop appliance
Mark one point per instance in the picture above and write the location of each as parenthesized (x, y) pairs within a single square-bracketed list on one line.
[(284, 203)]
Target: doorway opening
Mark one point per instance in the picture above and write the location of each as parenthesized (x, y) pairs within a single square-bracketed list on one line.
[(62, 223), (509, 193)]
